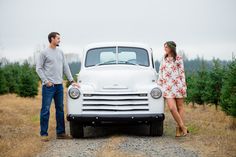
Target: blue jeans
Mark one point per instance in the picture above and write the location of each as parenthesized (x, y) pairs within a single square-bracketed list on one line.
[(48, 93)]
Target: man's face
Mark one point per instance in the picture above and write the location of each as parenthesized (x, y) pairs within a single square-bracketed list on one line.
[(56, 40)]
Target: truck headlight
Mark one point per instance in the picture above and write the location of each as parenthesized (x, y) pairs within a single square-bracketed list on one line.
[(74, 93), (156, 93)]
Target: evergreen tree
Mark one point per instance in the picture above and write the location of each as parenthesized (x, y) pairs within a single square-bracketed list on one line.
[(3, 82), (214, 84), (28, 82), (228, 92), (11, 73), (200, 84), (191, 88)]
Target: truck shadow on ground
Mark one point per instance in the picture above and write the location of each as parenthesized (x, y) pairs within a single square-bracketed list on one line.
[(107, 131)]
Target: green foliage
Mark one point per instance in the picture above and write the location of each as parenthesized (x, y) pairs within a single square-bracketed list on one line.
[(191, 89), (200, 84), (228, 92), (28, 86), (19, 79), (3, 82), (11, 74), (214, 84)]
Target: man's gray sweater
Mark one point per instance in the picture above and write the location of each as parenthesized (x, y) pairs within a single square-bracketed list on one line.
[(51, 65)]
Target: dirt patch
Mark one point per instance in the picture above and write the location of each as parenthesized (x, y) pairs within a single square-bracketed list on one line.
[(110, 148)]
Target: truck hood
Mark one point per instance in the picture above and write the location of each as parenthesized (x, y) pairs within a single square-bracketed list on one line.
[(116, 78)]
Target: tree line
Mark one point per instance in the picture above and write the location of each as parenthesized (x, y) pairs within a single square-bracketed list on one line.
[(216, 86), (18, 78), (208, 82)]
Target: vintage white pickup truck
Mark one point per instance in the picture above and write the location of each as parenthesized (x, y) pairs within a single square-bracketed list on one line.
[(117, 85)]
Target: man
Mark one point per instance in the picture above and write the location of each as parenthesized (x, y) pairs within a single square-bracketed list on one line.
[(50, 68)]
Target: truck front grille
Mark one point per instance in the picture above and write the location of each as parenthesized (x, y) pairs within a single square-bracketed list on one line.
[(135, 102)]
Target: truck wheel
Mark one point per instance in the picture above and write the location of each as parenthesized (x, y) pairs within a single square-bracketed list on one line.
[(156, 128), (76, 130)]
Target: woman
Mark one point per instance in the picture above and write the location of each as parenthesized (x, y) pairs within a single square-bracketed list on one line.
[(172, 80)]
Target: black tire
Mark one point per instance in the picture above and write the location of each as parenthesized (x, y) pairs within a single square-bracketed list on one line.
[(76, 130), (156, 128)]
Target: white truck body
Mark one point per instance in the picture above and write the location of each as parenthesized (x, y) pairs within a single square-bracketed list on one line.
[(117, 83)]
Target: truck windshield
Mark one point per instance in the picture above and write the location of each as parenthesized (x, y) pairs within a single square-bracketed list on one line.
[(120, 55)]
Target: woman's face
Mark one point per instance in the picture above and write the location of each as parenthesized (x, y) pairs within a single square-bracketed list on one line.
[(167, 49)]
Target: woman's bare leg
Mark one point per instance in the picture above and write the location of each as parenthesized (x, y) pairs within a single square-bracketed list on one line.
[(180, 107), (171, 102)]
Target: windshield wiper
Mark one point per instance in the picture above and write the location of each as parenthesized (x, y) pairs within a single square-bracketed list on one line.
[(130, 63), (120, 62), (105, 63)]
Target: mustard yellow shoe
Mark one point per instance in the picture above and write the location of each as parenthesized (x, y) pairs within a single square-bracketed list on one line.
[(186, 133), (44, 138)]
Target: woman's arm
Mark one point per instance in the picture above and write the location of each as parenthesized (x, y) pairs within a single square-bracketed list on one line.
[(180, 65)]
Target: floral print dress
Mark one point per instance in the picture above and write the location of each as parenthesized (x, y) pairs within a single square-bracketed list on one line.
[(172, 77)]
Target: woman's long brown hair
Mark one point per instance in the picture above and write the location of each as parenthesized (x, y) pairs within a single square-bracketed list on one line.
[(172, 46)]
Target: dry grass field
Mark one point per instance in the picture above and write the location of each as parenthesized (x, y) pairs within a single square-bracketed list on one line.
[(19, 125), (210, 129), (19, 128)]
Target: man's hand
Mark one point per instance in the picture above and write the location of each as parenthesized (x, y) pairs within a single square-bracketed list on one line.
[(49, 84), (75, 84)]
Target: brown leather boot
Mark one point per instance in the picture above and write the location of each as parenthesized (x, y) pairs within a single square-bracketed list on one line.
[(63, 136)]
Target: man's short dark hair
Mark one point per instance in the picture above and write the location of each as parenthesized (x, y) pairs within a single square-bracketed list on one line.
[(52, 35)]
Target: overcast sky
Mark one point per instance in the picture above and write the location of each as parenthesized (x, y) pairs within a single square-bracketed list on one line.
[(199, 27)]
